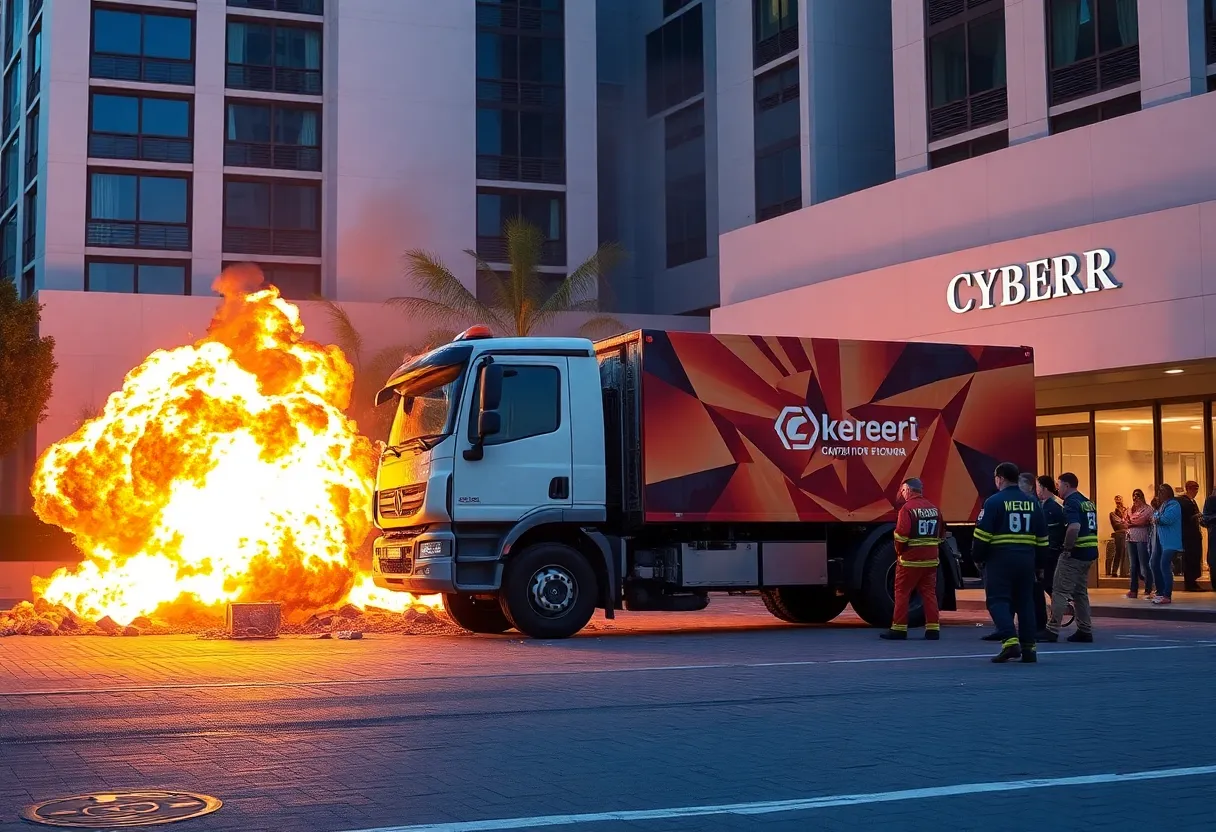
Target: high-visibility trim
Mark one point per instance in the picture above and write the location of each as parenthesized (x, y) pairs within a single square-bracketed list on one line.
[(980, 534), (1042, 541), (901, 538), (924, 541), (900, 628), (1009, 642), (903, 562), (1014, 539), (933, 626)]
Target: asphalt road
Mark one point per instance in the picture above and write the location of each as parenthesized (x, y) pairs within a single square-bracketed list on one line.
[(737, 727)]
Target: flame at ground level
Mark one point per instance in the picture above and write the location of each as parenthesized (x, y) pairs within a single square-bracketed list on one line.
[(221, 471)]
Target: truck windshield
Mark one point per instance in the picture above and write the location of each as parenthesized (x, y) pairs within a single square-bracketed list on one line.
[(424, 409)]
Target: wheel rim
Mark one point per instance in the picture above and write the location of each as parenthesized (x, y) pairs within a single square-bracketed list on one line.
[(552, 591)]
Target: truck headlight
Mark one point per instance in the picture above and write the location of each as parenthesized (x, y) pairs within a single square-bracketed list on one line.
[(431, 549)]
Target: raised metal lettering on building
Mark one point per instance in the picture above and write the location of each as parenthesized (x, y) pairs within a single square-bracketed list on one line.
[(1051, 277)]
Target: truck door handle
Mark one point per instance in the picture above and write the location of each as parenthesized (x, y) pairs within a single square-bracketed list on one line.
[(559, 488)]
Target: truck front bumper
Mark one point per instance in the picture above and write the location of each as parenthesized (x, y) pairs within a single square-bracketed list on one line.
[(420, 564)]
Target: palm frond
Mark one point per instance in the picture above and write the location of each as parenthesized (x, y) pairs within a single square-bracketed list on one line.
[(494, 309), (525, 249), (581, 285), (346, 334), (447, 299)]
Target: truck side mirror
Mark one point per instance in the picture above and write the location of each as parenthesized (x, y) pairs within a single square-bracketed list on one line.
[(489, 421)]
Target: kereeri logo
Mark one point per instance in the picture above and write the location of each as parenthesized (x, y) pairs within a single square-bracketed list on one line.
[(799, 428)]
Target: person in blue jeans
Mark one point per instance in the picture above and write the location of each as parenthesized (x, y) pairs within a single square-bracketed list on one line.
[(1169, 539), (1140, 528)]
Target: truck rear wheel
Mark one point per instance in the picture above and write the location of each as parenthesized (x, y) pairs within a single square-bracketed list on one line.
[(875, 601), (477, 615), (804, 604), (548, 591)]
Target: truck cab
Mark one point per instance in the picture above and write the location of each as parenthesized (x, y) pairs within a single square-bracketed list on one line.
[(492, 440)]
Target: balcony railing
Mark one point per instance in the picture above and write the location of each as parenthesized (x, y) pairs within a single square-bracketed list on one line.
[(494, 250), (272, 241), (272, 156), (772, 48), (966, 114), (152, 235), (142, 148), (33, 86), (1093, 75), (521, 93), (288, 6), (511, 17), (31, 167), (138, 68), (767, 212), (274, 79), (517, 169)]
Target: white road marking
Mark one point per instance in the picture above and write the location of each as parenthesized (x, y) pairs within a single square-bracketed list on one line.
[(800, 805), (579, 671)]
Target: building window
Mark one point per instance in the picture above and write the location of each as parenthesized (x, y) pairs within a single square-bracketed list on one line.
[(13, 27), (130, 210), (142, 46), (778, 143), (1094, 113), (272, 217), (34, 53), (28, 282), (8, 248), (520, 146), (144, 277), (144, 127), (968, 150), (675, 62), (295, 281), (775, 29), (521, 92), (12, 98), (31, 146), (29, 248), (1094, 46), (1210, 31), (10, 175), (274, 58), (289, 6), (278, 136), (967, 72), (684, 179), (544, 209)]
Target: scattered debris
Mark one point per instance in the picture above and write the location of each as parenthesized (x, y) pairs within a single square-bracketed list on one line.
[(349, 635), (260, 620)]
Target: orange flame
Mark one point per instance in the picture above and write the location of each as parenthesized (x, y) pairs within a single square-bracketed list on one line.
[(221, 471)]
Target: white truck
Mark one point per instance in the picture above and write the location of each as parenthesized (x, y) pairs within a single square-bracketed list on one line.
[(534, 480)]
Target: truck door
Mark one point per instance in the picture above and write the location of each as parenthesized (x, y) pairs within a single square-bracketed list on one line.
[(528, 464)]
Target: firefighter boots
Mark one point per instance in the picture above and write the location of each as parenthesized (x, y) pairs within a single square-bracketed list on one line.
[(894, 634)]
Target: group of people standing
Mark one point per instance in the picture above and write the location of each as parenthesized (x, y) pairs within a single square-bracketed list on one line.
[(1156, 541)]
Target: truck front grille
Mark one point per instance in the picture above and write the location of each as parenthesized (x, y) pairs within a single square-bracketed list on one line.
[(398, 566), (401, 502)]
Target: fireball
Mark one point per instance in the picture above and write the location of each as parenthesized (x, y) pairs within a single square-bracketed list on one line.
[(221, 471)]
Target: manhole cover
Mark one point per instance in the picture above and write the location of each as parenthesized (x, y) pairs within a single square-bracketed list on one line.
[(115, 810)]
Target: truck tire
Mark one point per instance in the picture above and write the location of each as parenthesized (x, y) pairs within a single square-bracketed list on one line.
[(875, 602), (476, 615), (548, 591), (804, 604)]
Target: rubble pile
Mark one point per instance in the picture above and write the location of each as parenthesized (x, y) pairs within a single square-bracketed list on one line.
[(42, 618)]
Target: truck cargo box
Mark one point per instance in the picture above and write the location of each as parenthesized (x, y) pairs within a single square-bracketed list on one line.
[(739, 429)]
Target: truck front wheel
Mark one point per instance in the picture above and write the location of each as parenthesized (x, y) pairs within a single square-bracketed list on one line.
[(875, 601), (477, 615), (548, 591), (804, 604)]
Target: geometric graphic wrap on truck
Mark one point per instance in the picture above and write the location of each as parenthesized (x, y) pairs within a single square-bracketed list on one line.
[(744, 428)]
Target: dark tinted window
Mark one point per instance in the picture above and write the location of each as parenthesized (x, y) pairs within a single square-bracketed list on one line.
[(675, 62), (294, 282), (778, 142), (148, 278), (684, 175), (136, 33), (1081, 28), (531, 403), (541, 208), (967, 59), (123, 196), (132, 115), (284, 206)]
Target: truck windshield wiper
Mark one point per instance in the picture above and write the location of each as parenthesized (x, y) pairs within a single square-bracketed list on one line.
[(424, 442)]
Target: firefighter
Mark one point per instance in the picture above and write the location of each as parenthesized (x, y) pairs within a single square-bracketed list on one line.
[(1010, 535), (917, 537)]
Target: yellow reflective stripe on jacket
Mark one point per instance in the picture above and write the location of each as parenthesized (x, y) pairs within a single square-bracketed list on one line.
[(903, 562), (1012, 539), (1087, 541), (900, 538), (980, 534), (923, 541)]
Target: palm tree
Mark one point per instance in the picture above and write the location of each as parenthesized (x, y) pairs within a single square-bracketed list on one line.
[(373, 370), (519, 302)]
